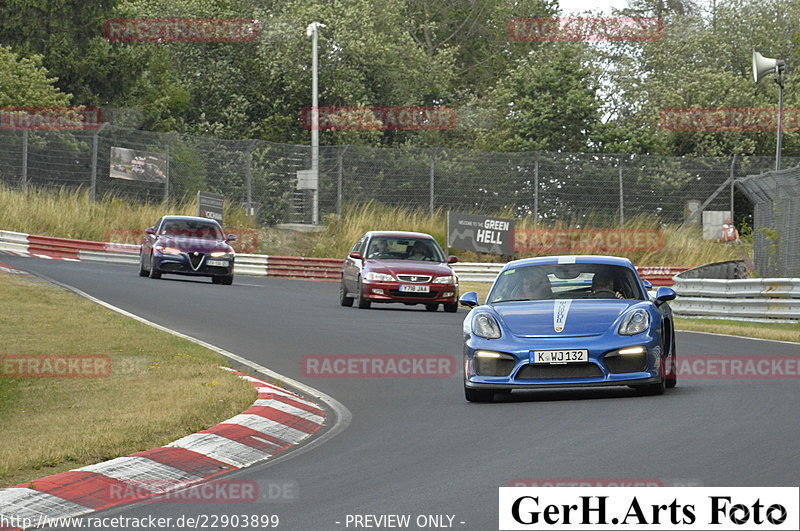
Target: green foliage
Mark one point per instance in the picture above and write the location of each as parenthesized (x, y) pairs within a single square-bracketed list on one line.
[(24, 82)]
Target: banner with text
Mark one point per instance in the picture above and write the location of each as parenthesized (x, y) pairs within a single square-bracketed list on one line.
[(210, 205), (481, 234)]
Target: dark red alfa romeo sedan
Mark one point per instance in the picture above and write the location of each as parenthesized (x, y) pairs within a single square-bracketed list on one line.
[(404, 267)]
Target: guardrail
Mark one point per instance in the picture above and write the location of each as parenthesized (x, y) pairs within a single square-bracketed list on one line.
[(760, 298), (719, 290), (251, 264)]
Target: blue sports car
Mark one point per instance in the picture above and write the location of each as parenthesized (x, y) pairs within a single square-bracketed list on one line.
[(568, 321)]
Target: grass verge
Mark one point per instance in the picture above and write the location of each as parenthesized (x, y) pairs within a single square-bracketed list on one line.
[(774, 331), (72, 214), (160, 387)]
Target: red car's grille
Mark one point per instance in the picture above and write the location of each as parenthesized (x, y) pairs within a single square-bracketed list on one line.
[(414, 278)]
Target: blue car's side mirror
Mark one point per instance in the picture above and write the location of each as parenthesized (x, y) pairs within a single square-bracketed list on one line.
[(469, 299), (647, 284), (664, 294)]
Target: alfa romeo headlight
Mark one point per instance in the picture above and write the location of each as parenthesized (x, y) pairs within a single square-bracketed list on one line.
[(379, 277), (221, 254), (167, 250), (485, 325), (635, 322)]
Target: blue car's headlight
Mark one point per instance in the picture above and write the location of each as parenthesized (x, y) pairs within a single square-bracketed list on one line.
[(635, 322), (484, 325)]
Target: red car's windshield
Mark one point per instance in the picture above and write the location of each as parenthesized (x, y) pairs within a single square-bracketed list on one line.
[(389, 248)]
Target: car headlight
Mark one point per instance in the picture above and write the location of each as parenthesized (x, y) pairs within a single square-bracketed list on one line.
[(447, 279), (221, 254), (379, 277), (167, 250), (484, 325), (635, 322)]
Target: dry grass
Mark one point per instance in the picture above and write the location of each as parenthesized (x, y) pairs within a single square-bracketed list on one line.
[(67, 213), (682, 246), (160, 388), (72, 214), (774, 331)]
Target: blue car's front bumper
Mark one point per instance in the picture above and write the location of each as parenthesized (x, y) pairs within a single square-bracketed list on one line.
[(518, 369)]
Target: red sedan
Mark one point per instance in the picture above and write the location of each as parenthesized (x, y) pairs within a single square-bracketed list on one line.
[(404, 267)]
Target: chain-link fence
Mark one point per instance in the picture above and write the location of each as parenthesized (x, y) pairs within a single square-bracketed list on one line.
[(776, 212), (567, 187)]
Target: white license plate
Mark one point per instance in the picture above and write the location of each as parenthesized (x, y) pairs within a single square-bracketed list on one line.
[(217, 263), (409, 288), (560, 356)]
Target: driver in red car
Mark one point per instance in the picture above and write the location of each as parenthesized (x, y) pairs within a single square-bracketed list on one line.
[(419, 251)]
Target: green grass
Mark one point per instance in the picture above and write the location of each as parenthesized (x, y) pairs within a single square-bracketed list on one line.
[(775, 331), (160, 387)]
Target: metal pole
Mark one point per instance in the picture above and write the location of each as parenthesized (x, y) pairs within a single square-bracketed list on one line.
[(431, 191), (313, 30), (536, 189), (779, 81), (621, 199), (24, 159), (166, 173), (339, 181), (733, 165), (248, 176), (95, 140)]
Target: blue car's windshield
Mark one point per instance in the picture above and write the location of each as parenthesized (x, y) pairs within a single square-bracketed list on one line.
[(566, 281)]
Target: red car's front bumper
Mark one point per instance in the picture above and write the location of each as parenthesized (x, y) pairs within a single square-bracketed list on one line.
[(390, 292)]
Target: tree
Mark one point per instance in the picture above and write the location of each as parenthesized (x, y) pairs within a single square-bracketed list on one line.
[(549, 101), (25, 82)]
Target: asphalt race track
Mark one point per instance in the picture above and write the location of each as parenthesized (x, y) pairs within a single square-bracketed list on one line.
[(414, 445)]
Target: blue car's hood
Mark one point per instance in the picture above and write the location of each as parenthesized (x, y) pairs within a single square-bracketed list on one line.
[(579, 317)]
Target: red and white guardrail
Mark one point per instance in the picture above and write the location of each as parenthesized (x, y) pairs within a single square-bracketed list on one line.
[(250, 264)]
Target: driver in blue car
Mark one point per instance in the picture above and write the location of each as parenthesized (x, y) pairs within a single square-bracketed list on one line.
[(603, 287)]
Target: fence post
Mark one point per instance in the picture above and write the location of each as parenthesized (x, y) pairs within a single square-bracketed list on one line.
[(95, 141), (536, 189), (621, 198), (248, 175), (339, 181), (733, 165), (166, 173), (24, 159), (430, 203)]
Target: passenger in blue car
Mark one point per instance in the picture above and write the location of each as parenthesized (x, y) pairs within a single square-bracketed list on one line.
[(534, 285)]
